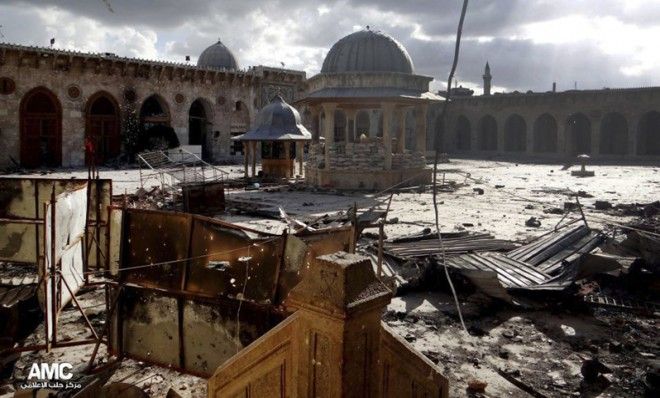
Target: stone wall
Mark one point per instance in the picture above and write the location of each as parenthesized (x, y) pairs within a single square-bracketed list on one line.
[(176, 85)]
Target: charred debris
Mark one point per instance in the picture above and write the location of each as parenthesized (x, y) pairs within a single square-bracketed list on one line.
[(176, 287)]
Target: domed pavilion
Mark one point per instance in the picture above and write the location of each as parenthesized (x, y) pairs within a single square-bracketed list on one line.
[(280, 131), (369, 116)]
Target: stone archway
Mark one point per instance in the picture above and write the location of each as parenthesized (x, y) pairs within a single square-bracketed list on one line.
[(614, 134), (41, 129), (487, 138), (463, 134), (578, 134), (200, 126), (648, 139), (156, 132), (362, 124), (545, 134), (102, 127), (515, 134), (436, 141)]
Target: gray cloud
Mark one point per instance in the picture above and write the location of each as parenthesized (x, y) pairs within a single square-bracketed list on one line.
[(297, 33)]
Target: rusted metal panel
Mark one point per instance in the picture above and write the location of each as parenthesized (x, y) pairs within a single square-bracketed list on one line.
[(187, 332), (227, 261), (155, 237), (22, 213), (205, 198)]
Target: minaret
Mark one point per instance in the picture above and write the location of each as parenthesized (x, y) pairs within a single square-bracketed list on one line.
[(487, 79)]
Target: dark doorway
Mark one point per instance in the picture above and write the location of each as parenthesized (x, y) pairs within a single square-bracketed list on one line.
[(41, 129), (545, 134), (614, 135), (436, 140), (198, 127), (648, 140), (340, 126), (487, 139), (463, 134), (578, 134), (362, 125), (515, 134), (102, 128)]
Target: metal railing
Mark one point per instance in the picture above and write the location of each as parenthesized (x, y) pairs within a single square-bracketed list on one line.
[(175, 167)]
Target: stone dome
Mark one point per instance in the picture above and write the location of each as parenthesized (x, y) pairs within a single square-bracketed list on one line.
[(277, 121), (367, 51), (217, 56)]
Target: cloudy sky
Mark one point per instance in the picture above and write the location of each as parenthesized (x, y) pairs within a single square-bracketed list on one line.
[(529, 43)]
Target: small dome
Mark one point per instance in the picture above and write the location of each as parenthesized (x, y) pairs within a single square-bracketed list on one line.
[(217, 56), (275, 122), (367, 51)]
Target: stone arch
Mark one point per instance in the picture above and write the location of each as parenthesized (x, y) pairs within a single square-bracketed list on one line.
[(545, 134), (436, 141), (41, 128), (362, 124), (155, 118), (515, 134), (200, 126), (340, 125), (102, 128), (578, 134), (463, 134), (487, 139), (154, 111), (648, 139), (614, 134)]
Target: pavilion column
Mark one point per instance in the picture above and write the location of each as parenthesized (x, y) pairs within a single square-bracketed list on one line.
[(287, 156), (246, 154), (420, 128), (315, 123), (401, 132), (300, 149), (350, 124), (329, 130), (253, 149), (388, 110)]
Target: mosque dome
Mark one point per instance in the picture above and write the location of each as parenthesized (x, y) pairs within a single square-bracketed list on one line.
[(367, 51), (277, 121), (217, 56)]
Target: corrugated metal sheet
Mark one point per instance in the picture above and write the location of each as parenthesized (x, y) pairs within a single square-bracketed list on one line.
[(10, 296), (453, 244)]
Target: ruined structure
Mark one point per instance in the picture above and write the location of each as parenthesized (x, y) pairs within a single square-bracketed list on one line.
[(50, 100), (279, 128), (369, 115), (606, 124)]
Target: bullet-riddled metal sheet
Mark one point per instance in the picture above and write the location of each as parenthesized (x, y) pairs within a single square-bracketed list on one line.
[(226, 261), (155, 237)]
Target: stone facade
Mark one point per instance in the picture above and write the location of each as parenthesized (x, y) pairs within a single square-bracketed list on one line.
[(614, 124), (230, 98)]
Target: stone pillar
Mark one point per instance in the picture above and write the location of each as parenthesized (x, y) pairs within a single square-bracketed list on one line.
[(246, 153), (329, 130), (315, 111), (253, 149), (420, 128), (388, 111), (401, 131), (374, 116), (300, 154), (287, 156), (350, 125)]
